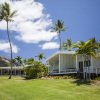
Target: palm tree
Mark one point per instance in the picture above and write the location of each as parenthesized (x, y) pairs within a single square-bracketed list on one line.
[(13, 61), (5, 14), (96, 44), (86, 49), (58, 28), (68, 45), (40, 56), (25, 61), (19, 59)]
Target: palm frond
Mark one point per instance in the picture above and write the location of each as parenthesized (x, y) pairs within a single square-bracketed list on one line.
[(13, 14), (5, 13)]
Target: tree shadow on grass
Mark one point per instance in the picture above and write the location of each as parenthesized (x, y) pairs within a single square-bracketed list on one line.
[(80, 82)]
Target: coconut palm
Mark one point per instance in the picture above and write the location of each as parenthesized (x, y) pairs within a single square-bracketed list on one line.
[(68, 45), (40, 56), (5, 14), (86, 49), (58, 28)]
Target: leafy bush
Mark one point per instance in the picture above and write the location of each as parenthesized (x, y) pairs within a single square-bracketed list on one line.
[(69, 77), (46, 77), (32, 71), (6, 74), (65, 77), (97, 78), (56, 77)]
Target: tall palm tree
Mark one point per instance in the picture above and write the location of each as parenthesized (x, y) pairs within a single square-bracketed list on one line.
[(5, 14), (40, 56), (58, 28), (86, 49), (68, 45)]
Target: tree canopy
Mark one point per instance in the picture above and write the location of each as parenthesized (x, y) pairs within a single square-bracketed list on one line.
[(58, 27), (68, 45)]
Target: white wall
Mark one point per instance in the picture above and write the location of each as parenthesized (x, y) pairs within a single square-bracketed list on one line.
[(96, 62), (54, 66), (51, 67), (67, 61)]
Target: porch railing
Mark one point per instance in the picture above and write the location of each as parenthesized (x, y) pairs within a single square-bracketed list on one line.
[(92, 70)]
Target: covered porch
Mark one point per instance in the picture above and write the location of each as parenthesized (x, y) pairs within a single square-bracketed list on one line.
[(15, 71), (62, 62)]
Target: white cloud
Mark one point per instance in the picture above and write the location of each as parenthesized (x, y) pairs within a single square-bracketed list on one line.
[(4, 46), (31, 24), (49, 45)]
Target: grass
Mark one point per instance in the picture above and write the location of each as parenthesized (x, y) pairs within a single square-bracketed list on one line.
[(18, 88)]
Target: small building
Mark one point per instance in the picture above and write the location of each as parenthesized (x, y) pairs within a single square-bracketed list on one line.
[(17, 70), (63, 62)]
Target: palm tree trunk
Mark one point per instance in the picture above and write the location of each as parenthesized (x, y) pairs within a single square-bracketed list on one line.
[(89, 70), (10, 50), (60, 41)]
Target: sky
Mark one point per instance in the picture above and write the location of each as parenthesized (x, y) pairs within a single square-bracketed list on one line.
[(30, 32)]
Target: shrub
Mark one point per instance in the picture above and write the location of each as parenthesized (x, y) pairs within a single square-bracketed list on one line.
[(33, 71), (46, 77), (65, 77), (97, 78), (69, 77), (6, 74)]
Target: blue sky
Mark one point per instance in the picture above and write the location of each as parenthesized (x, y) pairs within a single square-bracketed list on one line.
[(30, 33)]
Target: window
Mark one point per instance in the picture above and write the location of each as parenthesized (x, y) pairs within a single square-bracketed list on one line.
[(86, 65)]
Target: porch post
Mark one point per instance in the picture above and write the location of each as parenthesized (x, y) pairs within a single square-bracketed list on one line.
[(8, 71), (54, 66), (59, 63), (20, 71), (15, 71), (76, 62), (1, 71), (83, 63), (83, 68), (48, 68), (92, 64)]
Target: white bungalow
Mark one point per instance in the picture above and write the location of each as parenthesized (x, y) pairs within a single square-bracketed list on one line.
[(62, 62)]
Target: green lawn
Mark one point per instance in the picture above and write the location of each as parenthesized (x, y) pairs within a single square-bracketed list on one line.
[(53, 89)]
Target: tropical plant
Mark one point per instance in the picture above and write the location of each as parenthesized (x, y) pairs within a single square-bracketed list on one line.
[(19, 59), (58, 28), (68, 45), (25, 61), (13, 61), (30, 61), (32, 71), (86, 49), (96, 44), (40, 56), (5, 14)]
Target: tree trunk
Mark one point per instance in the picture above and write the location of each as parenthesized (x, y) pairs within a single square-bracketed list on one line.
[(86, 70), (89, 70), (10, 50), (60, 41)]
